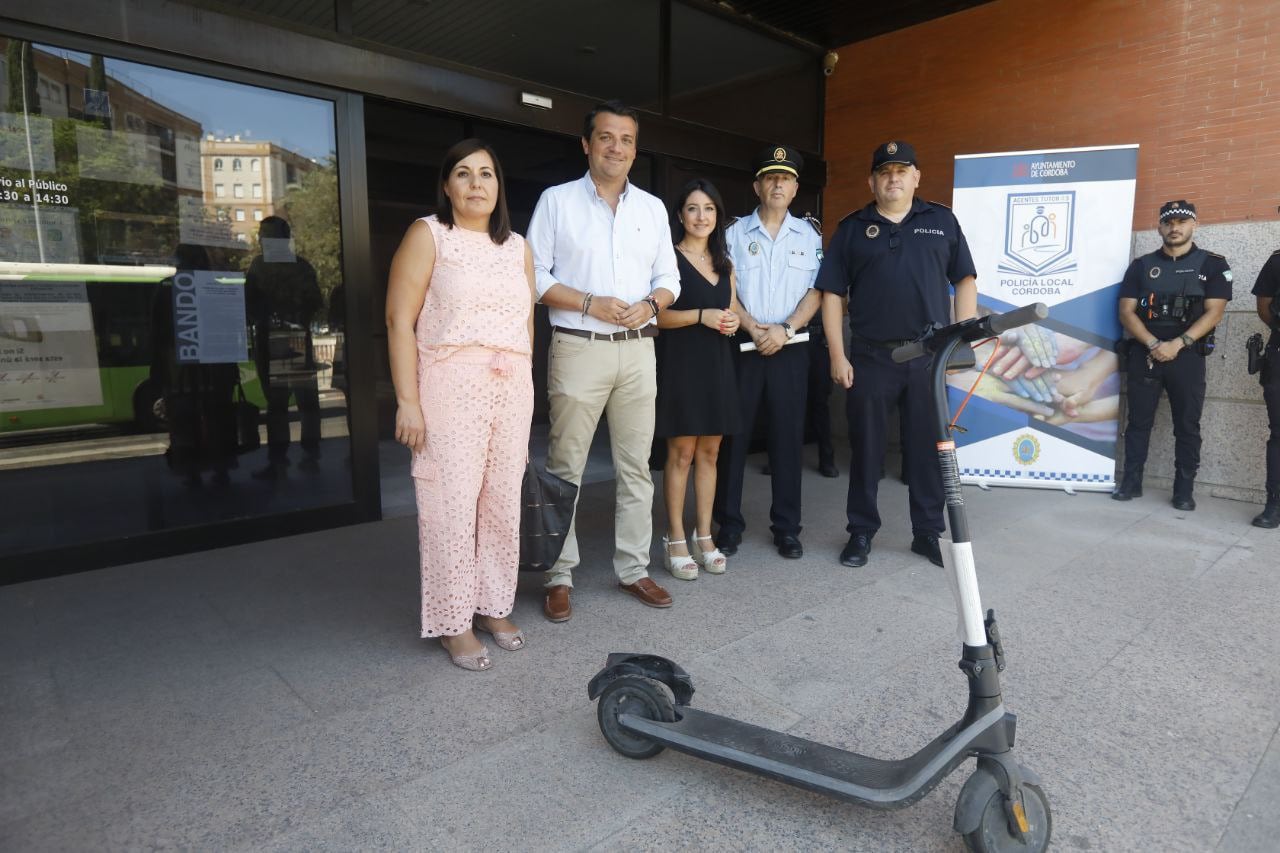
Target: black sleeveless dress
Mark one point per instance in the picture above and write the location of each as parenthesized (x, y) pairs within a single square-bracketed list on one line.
[(697, 387)]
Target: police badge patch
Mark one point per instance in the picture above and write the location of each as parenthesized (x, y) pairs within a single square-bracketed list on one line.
[(779, 153), (873, 231), (892, 148), (753, 248), (1155, 272)]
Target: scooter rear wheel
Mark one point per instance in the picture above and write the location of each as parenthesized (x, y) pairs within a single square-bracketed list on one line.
[(641, 697), (993, 835)]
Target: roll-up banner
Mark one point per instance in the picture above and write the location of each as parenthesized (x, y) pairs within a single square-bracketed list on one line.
[(1055, 227)]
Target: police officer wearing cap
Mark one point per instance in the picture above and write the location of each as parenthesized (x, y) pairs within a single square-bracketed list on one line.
[(1170, 301), (898, 259), (1267, 292), (776, 257)]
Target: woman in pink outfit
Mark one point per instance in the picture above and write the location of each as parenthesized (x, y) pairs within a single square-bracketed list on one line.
[(459, 328)]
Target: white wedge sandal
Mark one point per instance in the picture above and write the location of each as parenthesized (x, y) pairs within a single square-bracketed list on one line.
[(712, 561), (682, 567)]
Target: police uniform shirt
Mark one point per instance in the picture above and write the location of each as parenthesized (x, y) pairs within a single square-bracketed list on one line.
[(773, 275), (898, 276), (1214, 277), (1268, 283)]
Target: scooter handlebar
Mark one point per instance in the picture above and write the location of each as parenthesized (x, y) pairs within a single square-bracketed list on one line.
[(973, 330), (1018, 317)]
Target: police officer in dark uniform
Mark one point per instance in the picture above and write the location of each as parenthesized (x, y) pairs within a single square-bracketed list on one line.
[(1170, 302), (775, 258), (897, 259), (1267, 291), (819, 398)]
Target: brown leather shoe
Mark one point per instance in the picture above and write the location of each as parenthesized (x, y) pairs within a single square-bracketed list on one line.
[(557, 607), (648, 592)]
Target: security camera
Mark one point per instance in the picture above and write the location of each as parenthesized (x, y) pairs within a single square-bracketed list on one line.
[(829, 62)]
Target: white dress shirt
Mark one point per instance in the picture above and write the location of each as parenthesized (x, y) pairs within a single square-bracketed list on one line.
[(578, 241), (773, 274)]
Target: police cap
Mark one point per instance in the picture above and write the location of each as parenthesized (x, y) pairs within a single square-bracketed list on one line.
[(1180, 209), (894, 151), (779, 158)]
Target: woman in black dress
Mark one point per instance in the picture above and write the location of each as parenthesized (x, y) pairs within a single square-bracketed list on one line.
[(697, 391)]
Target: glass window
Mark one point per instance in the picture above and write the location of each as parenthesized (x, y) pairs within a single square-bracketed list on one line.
[(606, 50), (174, 365), (257, 215), (236, 166), (255, 165), (220, 190), (237, 191), (732, 78), (257, 190)]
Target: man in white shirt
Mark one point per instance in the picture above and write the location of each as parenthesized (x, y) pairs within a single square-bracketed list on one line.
[(605, 266)]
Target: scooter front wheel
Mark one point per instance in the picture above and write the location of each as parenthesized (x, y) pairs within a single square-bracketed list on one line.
[(641, 697), (993, 834)]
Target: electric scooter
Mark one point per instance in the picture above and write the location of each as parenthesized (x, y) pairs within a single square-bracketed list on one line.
[(644, 699)]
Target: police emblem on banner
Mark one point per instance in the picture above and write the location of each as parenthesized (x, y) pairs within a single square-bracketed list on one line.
[(1026, 449), (873, 231), (1038, 233)]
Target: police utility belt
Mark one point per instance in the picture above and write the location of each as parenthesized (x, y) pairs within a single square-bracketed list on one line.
[(1175, 311)]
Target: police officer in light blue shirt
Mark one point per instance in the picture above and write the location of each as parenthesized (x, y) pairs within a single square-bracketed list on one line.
[(776, 257)]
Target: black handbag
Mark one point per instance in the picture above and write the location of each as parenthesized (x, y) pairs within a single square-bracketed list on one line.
[(546, 511), (247, 416)]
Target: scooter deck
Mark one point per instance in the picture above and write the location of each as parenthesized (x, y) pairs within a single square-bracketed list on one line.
[(815, 766)]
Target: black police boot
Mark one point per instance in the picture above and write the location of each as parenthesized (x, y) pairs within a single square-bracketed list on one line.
[(827, 464), (1270, 515), (1183, 483), (1130, 487)]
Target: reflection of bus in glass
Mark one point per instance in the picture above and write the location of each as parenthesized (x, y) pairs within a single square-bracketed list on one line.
[(94, 362)]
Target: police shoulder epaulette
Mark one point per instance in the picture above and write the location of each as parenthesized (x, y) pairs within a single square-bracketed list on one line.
[(1276, 252), (1215, 254), (813, 220), (847, 217), (938, 204)]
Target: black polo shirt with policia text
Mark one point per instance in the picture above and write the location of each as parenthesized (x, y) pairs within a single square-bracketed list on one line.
[(898, 275)]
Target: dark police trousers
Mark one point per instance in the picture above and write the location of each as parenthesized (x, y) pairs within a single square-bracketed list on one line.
[(778, 383), (1183, 380), (1271, 394), (819, 400), (879, 384)]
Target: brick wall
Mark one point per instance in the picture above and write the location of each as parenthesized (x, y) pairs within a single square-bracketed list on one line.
[(1196, 83)]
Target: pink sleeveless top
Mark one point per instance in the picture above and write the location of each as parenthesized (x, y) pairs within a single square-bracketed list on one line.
[(478, 297)]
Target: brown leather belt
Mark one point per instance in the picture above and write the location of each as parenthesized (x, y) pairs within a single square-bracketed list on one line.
[(649, 331)]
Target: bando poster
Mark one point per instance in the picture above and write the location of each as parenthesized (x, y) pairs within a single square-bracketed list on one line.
[(1055, 227)]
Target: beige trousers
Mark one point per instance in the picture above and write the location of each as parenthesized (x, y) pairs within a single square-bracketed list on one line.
[(619, 379)]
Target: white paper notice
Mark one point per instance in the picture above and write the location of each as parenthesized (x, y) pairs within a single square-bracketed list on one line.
[(278, 250), (186, 151), (48, 355), (14, 129), (59, 227), (209, 318), (118, 156), (198, 228)]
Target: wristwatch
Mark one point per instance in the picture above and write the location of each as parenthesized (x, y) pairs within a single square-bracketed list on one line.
[(1187, 340), (790, 332)]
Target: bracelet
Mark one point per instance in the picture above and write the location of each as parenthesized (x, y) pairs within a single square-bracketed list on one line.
[(653, 303), (586, 305), (699, 316), (1154, 343)]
